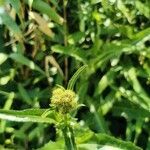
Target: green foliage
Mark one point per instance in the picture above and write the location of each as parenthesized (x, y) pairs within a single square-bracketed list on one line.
[(43, 43)]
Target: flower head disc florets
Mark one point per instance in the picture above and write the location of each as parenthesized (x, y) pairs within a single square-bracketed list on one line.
[(64, 100)]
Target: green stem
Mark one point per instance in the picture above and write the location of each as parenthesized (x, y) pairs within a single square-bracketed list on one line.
[(69, 139), (72, 138), (68, 136)]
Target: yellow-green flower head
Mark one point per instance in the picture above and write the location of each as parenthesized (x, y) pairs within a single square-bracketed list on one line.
[(64, 100)]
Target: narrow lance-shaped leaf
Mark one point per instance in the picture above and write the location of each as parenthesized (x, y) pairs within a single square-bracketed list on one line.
[(11, 25), (139, 36), (131, 110), (24, 94), (122, 7), (3, 57), (75, 77), (70, 51), (105, 81), (29, 115), (95, 1), (7, 106), (104, 139), (25, 61), (96, 120), (42, 24)]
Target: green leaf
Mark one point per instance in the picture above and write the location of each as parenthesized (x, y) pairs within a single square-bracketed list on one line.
[(9, 101), (34, 112), (29, 115), (104, 139), (75, 77), (30, 3), (15, 4), (83, 135), (25, 96), (11, 25), (95, 1), (95, 119), (110, 51), (138, 37), (70, 51), (7, 106), (3, 57), (75, 38), (105, 81), (53, 145), (4, 80), (105, 4), (25, 61), (107, 102), (90, 146), (43, 7), (133, 80), (143, 9), (122, 7), (131, 110)]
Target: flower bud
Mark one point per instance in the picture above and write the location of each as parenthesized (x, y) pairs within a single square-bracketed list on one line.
[(64, 100)]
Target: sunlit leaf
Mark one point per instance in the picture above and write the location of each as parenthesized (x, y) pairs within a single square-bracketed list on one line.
[(122, 7), (3, 57), (45, 8), (95, 1), (43, 25), (144, 9), (4, 80), (31, 115), (105, 81)]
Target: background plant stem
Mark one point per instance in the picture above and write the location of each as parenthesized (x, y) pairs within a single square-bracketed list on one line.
[(65, 39)]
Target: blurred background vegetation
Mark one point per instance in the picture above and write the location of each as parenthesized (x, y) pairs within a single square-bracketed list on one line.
[(43, 42)]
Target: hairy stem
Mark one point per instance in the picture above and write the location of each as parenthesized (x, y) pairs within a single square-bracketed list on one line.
[(68, 136)]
